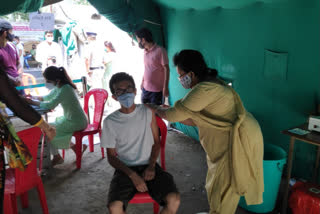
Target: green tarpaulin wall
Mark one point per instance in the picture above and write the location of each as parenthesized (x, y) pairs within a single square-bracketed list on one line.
[(19, 5), (233, 35)]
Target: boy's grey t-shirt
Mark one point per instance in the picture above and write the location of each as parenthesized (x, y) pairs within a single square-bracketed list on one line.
[(130, 134)]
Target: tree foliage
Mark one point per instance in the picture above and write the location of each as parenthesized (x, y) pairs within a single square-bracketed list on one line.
[(81, 2), (16, 16)]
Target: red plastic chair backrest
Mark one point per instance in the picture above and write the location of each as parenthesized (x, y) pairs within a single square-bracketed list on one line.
[(163, 138), (26, 179), (100, 97)]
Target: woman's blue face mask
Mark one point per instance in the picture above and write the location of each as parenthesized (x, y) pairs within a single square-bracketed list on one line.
[(126, 100)]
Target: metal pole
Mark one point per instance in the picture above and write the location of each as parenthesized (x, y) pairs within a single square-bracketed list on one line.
[(84, 85), (85, 91)]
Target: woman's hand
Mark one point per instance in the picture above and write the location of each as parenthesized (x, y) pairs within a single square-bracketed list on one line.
[(32, 102), (158, 110), (49, 130), (28, 100), (29, 96), (152, 107)]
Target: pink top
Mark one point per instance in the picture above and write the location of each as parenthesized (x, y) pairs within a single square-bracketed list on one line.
[(154, 61), (9, 59)]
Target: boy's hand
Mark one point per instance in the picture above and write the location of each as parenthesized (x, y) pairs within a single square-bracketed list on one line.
[(139, 183), (149, 173)]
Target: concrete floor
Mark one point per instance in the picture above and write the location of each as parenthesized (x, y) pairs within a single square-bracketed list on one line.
[(85, 191)]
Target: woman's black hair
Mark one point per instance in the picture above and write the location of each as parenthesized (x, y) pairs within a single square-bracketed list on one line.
[(192, 60), (54, 73), (109, 45)]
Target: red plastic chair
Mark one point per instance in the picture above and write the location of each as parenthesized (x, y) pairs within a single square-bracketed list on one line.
[(144, 197), (100, 97), (25, 81), (18, 183)]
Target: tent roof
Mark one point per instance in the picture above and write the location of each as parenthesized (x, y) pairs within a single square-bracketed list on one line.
[(209, 4), (48, 2)]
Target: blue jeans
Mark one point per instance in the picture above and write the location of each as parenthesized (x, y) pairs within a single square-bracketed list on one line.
[(26, 60)]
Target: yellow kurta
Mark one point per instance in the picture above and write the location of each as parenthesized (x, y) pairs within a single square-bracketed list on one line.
[(232, 140)]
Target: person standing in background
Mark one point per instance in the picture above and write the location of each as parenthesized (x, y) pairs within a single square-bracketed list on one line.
[(49, 52), (20, 49), (109, 63), (110, 53), (94, 61), (156, 69), (9, 58)]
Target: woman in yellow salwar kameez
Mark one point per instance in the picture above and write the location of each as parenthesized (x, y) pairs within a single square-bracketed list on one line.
[(230, 136)]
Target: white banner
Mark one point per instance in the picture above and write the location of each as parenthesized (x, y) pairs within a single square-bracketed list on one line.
[(26, 34), (41, 21)]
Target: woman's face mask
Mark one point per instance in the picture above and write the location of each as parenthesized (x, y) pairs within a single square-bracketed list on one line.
[(10, 36), (126, 100), (185, 81), (49, 85)]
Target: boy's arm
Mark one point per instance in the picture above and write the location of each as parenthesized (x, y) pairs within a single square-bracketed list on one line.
[(119, 165), (149, 173)]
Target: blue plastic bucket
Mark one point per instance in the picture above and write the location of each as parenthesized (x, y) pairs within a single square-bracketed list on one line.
[(273, 162)]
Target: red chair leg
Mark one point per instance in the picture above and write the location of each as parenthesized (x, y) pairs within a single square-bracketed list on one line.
[(102, 149), (42, 197), (7, 205), (78, 151), (91, 143), (10, 204), (102, 152), (63, 153), (156, 208), (24, 200)]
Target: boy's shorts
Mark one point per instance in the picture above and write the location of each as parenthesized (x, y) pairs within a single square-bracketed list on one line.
[(122, 188)]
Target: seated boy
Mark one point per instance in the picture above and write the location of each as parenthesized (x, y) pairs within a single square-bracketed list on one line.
[(131, 136)]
